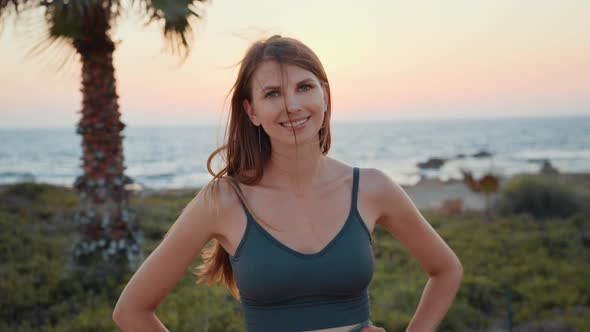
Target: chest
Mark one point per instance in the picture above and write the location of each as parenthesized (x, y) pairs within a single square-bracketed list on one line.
[(268, 271), (306, 224)]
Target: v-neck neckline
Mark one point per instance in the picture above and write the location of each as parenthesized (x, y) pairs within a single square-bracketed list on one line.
[(297, 253), (352, 210)]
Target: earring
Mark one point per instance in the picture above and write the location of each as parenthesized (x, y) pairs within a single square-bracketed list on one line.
[(259, 140)]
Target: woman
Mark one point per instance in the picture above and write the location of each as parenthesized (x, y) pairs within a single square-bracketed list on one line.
[(291, 226)]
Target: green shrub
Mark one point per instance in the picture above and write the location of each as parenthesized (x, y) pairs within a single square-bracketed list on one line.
[(26, 190), (540, 197)]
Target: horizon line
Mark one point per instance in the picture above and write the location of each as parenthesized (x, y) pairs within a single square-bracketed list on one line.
[(343, 121)]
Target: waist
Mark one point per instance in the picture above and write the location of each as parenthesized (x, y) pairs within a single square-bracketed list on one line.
[(360, 326)]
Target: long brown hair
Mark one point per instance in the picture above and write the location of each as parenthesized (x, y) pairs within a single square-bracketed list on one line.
[(245, 153)]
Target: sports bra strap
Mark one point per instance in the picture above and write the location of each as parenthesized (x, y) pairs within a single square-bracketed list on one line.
[(355, 186), (237, 191), (244, 206)]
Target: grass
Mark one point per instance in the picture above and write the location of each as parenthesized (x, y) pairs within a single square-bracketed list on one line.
[(534, 269)]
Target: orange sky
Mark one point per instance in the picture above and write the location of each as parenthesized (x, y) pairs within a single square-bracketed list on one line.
[(385, 60)]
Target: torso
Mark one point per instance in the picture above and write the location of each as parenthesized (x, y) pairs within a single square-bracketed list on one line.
[(293, 221)]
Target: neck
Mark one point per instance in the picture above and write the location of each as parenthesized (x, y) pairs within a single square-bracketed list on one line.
[(295, 168)]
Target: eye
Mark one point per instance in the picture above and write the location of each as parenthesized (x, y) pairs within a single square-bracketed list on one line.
[(273, 93), (306, 87)]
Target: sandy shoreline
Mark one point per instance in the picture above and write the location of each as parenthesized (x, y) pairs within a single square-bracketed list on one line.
[(432, 193), (427, 194)]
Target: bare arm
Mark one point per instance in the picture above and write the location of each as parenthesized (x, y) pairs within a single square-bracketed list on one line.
[(400, 217), (163, 269)]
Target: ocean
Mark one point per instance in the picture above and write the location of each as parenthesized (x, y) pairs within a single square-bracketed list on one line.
[(175, 157)]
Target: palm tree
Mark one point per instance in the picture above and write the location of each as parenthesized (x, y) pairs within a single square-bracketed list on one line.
[(108, 227)]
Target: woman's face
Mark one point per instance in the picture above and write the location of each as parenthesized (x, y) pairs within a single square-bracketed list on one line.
[(277, 90)]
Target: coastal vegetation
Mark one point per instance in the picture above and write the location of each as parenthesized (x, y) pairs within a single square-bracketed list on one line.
[(521, 270)]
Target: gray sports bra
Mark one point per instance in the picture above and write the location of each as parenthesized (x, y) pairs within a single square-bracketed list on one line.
[(282, 289)]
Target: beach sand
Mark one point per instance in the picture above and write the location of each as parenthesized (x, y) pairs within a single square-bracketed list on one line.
[(431, 194)]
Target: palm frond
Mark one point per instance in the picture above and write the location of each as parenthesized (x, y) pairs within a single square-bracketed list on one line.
[(54, 53), (66, 23), (16, 5), (14, 8), (47, 40), (84, 8), (178, 17)]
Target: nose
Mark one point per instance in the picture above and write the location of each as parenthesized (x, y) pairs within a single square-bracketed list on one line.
[(293, 102), (293, 108)]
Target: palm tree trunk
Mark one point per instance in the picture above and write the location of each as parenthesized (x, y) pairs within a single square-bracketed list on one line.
[(108, 227)]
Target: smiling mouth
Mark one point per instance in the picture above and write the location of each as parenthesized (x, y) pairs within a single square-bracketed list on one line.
[(295, 123)]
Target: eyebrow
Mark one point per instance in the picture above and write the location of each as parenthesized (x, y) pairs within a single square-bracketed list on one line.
[(273, 87)]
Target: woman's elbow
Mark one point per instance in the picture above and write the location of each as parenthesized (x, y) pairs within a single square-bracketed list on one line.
[(129, 320), (119, 315), (124, 315)]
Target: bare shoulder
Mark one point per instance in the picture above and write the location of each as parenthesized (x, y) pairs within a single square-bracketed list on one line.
[(374, 180), (219, 193), (384, 194), (205, 212), (375, 183), (221, 202)]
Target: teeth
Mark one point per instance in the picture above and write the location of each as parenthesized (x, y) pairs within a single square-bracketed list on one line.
[(295, 124)]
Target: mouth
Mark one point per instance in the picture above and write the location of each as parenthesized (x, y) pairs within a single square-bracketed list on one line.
[(295, 124)]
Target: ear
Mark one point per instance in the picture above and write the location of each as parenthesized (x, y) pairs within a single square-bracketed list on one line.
[(250, 111)]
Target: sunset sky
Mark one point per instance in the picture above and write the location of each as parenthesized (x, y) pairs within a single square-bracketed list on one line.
[(385, 60)]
